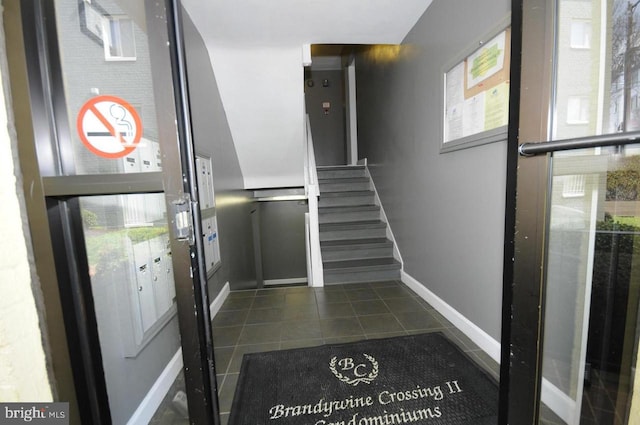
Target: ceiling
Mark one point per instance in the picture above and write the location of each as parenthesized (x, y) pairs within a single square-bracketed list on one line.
[(256, 49), (287, 22)]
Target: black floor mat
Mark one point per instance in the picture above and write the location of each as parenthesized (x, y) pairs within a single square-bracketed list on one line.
[(419, 379)]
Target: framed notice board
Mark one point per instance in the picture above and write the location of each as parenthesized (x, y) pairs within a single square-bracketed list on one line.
[(476, 93)]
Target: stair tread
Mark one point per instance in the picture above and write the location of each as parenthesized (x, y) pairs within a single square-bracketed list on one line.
[(345, 180), (373, 224), (348, 193), (344, 243), (362, 263), (339, 167), (348, 208)]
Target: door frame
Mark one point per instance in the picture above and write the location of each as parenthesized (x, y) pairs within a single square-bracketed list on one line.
[(56, 225), (526, 220), (529, 178)]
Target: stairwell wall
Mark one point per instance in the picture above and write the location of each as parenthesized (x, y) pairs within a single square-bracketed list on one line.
[(212, 138), (446, 210)]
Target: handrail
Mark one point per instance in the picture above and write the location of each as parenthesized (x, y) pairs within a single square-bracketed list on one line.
[(617, 139), (312, 222), (311, 155)]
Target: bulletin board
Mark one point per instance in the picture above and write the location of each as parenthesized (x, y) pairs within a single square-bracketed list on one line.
[(476, 94)]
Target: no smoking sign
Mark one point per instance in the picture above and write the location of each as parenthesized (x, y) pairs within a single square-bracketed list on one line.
[(109, 126)]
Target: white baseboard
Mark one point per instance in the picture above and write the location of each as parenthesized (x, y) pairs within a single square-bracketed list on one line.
[(470, 329), (560, 403), (291, 281), (150, 403), (216, 304), (158, 391), (383, 216)]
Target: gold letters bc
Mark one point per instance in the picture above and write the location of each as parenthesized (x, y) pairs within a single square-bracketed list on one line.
[(352, 371)]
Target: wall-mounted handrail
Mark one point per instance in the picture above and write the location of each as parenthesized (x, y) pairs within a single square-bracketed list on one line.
[(312, 225), (617, 139)]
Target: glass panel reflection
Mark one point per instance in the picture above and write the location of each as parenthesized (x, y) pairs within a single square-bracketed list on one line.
[(132, 282), (593, 287), (108, 87)]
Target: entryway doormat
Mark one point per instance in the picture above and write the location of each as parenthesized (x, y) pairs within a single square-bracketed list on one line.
[(418, 379)]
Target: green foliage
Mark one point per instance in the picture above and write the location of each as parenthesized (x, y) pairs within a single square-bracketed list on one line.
[(108, 250), (623, 184), (89, 218), (141, 234), (629, 221), (611, 231)]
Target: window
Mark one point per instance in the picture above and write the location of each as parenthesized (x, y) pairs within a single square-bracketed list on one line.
[(581, 34), (119, 40), (578, 110), (573, 186)]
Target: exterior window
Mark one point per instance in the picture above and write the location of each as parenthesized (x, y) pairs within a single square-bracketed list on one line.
[(577, 110), (580, 34), (119, 41), (573, 186)]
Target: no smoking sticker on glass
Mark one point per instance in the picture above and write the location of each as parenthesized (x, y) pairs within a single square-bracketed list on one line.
[(109, 126)]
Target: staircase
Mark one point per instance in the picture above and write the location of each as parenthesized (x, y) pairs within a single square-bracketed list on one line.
[(353, 239)]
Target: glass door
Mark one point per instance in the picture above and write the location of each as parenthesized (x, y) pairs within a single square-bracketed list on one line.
[(113, 155), (570, 347)]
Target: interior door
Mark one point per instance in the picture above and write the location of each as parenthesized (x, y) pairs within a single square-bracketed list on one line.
[(113, 160), (570, 339)]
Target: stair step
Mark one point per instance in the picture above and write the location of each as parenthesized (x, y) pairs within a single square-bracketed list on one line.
[(348, 213), (353, 230), (353, 249), (350, 225), (363, 270), (348, 208), (337, 199), (345, 184), (341, 171), (362, 264), (348, 243)]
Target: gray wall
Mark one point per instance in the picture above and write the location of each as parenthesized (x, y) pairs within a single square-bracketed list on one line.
[(446, 210), (212, 138), (282, 239), (328, 130)]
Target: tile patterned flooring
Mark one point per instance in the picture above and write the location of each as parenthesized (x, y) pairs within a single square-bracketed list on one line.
[(294, 317), (298, 316)]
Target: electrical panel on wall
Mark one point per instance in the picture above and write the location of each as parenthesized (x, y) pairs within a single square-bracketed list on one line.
[(206, 195)]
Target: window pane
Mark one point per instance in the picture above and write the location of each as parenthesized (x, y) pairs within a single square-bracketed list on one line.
[(130, 266), (108, 87)]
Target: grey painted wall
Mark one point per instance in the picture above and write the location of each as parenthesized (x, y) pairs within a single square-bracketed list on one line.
[(212, 138), (328, 130), (446, 210), (282, 239)]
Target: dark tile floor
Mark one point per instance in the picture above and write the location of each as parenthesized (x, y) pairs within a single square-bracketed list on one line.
[(299, 316), (294, 317)]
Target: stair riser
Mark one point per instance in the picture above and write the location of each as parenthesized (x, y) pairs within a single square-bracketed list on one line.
[(340, 174), (349, 216), (344, 187), (333, 235), (356, 253), (344, 201), (360, 276)]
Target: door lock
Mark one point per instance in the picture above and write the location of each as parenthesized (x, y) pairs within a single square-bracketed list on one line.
[(182, 220)]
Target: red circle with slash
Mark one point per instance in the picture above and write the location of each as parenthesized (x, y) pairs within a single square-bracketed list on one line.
[(109, 126)]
